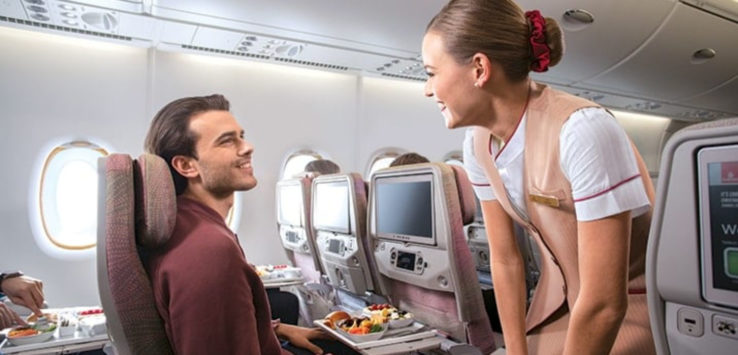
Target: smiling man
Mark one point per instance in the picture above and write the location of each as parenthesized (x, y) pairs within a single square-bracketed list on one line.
[(210, 298)]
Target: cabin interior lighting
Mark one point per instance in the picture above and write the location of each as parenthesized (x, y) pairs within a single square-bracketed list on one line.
[(39, 9), (576, 19), (67, 7), (70, 22), (36, 2), (703, 55), (69, 14), (40, 17)]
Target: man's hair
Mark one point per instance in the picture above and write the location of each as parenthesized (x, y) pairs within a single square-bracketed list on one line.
[(409, 158), (170, 134), (322, 166)]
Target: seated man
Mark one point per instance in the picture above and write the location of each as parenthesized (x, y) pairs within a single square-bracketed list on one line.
[(409, 158), (211, 300), (322, 166)]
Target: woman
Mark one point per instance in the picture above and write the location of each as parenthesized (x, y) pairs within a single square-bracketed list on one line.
[(555, 163)]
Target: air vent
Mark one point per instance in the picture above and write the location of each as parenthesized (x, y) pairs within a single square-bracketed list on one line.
[(265, 57), (64, 29), (223, 51), (403, 77), (312, 64)]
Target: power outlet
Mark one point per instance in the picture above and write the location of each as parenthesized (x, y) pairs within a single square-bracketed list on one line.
[(727, 327), (690, 322)]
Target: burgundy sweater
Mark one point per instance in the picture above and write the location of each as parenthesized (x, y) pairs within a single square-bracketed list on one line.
[(211, 300)]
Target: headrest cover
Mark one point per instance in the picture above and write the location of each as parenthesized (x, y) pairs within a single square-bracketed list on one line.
[(156, 201), (466, 194)]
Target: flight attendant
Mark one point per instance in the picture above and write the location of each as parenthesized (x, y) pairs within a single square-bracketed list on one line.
[(557, 164)]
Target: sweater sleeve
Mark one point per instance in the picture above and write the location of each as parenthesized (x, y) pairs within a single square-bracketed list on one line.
[(210, 301)]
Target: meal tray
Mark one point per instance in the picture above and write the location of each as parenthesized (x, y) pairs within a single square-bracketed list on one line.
[(412, 332)]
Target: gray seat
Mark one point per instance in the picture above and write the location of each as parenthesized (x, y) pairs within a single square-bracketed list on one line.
[(692, 281)]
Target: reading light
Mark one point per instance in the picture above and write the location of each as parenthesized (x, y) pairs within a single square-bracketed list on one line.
[(67, 7), (576, 19), (703, 55)]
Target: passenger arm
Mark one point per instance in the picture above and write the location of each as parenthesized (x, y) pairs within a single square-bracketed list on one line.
[(508, 276), (599, 310)]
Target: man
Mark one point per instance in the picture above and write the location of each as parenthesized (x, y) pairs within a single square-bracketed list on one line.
[(212, 301)]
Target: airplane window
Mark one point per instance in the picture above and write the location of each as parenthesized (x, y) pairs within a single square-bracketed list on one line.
[(295, 163), (382, 159), (454, 158), (67, 195)]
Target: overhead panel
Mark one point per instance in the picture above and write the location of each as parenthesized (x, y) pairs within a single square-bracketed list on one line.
[(669, 66), (724, 98), (618, 29)]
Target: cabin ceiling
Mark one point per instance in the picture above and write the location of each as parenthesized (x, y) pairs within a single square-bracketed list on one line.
[(665, 57)]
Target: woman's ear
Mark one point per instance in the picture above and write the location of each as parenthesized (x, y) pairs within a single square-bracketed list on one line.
[(482, 67), (185, 166)]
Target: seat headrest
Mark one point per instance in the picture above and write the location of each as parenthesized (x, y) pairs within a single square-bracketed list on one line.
[(466, 194), (156, 201)]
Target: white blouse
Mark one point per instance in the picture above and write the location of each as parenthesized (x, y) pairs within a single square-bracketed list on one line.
[(596, 158)]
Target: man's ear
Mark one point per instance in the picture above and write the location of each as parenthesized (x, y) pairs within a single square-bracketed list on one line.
[(482, 69), (185, 166)]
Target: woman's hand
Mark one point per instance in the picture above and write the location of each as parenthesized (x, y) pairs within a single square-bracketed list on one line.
[(25, 291), (301, 336)]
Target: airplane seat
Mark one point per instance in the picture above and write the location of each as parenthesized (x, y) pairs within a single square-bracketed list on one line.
[(296, 233), (692, 254), (339, 220), (137, 207), (416, 218)]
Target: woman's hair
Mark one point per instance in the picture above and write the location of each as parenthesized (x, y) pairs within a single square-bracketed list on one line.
[(497, 28), (409, 158), (170, 134)]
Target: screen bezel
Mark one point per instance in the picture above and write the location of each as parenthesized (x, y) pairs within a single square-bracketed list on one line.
[(290, 184), (705, 156), (394, 179), (332, 228)]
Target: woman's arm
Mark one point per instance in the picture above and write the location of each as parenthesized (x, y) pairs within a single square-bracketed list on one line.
[(508, 275), (599, 310)]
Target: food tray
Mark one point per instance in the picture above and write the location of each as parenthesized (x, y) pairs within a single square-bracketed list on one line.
[(412, 332)]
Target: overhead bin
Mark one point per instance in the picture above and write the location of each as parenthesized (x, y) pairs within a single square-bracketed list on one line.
[(618, 29), (666, 67)]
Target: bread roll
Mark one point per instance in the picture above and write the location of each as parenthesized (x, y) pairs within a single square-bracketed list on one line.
[(331, 319)]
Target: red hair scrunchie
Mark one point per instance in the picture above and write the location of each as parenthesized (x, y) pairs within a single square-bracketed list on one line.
[(541, 52)]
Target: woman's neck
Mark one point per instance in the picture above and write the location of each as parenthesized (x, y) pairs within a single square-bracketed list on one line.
[(509, 103)]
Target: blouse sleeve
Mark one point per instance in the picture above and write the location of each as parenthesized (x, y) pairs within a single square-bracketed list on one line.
[(598, 160)]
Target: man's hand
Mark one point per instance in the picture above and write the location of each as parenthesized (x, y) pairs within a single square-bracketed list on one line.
[(25, 291), (301, 336), (8, 317)]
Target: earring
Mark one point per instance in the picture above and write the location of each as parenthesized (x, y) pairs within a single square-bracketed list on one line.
[(476, 85)]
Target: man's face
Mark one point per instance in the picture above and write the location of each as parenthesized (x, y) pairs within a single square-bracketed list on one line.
[(224, 157)]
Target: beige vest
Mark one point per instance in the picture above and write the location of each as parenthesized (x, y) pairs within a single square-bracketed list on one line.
[(553, 226)]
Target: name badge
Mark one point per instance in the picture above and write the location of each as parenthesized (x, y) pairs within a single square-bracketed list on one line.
[(545, 200)]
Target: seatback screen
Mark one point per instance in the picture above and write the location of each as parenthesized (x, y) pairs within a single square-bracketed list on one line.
[(290, 205), (331, 206), (718, 169), (405, 208)]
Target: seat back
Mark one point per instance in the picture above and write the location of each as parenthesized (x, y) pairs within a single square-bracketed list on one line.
[(416, 218), (137, 207), (339, 220), (692, 255), (295, 226)]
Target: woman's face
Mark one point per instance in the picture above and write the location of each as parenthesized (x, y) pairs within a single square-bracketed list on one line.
[(450, 83)]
